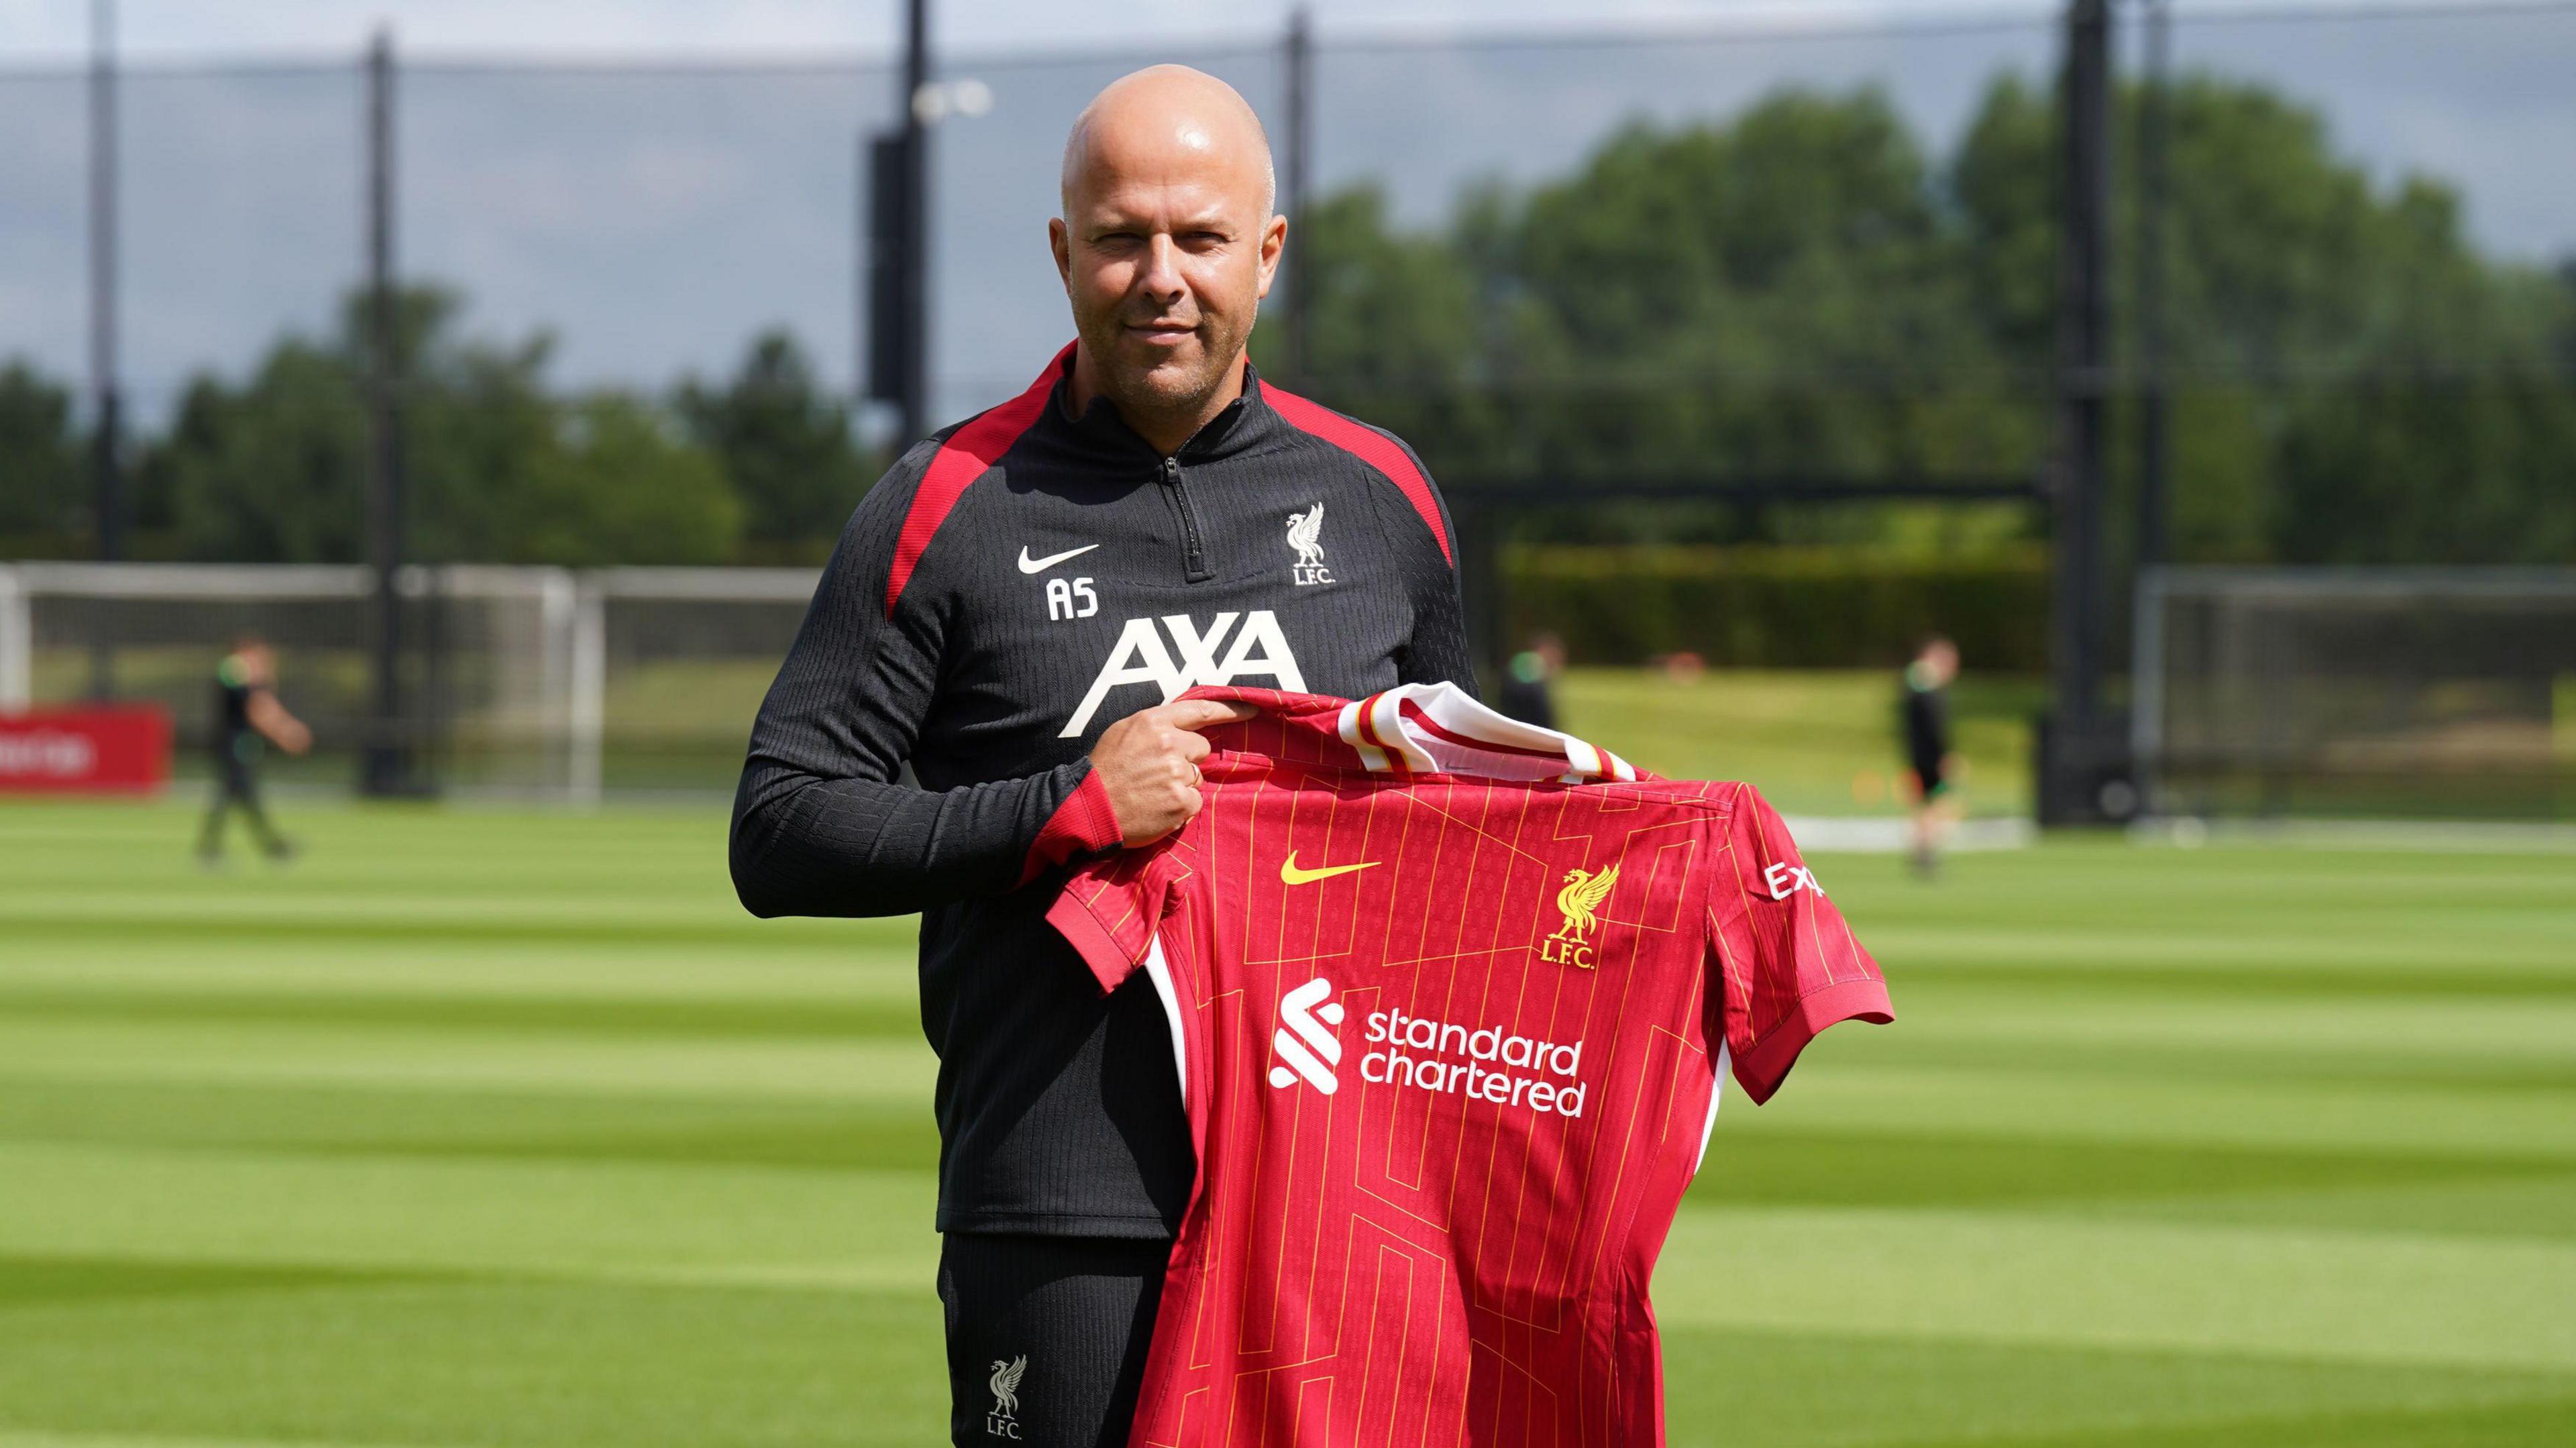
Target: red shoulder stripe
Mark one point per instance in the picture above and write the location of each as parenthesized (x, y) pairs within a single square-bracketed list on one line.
[(969, 453), (1371, 447)]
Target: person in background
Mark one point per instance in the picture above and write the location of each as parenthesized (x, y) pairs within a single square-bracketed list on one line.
[(248, 718), (1925, 711), (1528, 692)]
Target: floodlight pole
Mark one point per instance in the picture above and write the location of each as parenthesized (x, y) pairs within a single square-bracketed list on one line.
[(2154, 152), (913, 296), (2155, 454), (2071, 753), (106, 460), (385, 761), (1292, 199)]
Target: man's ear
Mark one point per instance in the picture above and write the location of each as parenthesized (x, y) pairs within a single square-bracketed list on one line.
[(1060, 241), (1274, 243)]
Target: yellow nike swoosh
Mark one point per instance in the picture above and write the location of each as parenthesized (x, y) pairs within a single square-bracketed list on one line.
[(1289, 874)]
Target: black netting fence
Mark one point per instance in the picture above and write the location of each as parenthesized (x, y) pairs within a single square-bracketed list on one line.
[(1636, 286)]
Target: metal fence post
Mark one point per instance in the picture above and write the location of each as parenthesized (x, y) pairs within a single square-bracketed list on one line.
[(387, 765), (17, 644), (107, 464), (1292, 199), (589, 702), (2073, 753)]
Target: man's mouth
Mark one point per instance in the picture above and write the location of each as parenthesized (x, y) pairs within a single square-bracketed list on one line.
[(1160, 333)]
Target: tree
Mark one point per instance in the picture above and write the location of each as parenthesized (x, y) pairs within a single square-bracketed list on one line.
[(40, 455), (783, 443), (1804, 291), (2353, 384), (499, 469), (271, 472), (1778, 296), (619, 483), (1393, 318)]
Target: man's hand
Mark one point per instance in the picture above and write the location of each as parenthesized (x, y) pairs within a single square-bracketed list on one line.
[(1149, 763)]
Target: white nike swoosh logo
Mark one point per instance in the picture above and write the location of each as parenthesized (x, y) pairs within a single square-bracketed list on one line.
[(1041, 565)]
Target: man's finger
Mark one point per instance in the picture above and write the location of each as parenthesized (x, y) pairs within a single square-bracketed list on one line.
[(1200, 713)]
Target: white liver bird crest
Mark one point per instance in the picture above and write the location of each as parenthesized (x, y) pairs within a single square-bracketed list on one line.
[(1006, 1385), (1305, 534)]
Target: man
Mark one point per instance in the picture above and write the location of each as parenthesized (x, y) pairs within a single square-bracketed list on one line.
[(1147, 516), (247, 719), (1925, 711)]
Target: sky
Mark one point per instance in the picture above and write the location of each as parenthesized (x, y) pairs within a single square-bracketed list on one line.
[(32, 29), (654, 221), (36, 30)]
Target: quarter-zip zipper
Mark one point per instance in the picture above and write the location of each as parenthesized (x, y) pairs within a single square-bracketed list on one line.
[(1193, 550)]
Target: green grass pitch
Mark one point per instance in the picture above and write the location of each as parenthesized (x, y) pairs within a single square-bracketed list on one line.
[(487, 1128)]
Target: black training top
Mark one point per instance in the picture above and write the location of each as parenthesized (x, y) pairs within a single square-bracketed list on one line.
[(1926, 712), (233, 736), (1011, 588)]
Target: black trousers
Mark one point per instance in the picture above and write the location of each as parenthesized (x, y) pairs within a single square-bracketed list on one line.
[(1047, 1336), (236, 787)]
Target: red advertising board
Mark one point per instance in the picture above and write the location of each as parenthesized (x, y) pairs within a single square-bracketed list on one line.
[(114, 749)]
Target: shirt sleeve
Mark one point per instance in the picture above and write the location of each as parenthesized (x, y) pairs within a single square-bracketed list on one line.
[(1788, 964), (822, 822), (1110, 908)]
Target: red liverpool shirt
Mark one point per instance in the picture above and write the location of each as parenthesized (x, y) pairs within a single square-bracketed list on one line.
[(1450, 997)]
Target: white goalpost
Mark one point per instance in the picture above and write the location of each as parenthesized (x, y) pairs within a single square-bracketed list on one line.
[(2403, 692), (526, 681)]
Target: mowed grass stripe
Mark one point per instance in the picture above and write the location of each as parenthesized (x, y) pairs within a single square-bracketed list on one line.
[(818, 1134), (249, 1207), (166, 1441), (1860, 1095), (2238, 973), (592, 1015), (2362, 1065), (245, 961), (2014, 1276), (331, 1056), (2430, 1026), (483, 1363), (349, 925), (1735, 1386)]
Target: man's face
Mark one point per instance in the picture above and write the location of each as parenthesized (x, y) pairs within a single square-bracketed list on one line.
[(1166, 251)]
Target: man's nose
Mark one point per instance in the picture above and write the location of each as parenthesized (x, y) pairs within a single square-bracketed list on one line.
[(1162, 278)]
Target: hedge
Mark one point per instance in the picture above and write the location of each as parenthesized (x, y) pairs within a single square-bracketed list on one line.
[(1780, 607)]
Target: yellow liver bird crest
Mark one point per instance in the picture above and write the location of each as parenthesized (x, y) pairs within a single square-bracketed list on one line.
[(1583, 893)]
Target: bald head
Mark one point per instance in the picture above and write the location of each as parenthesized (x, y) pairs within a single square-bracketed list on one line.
[(1167, 244), (1165, 119)]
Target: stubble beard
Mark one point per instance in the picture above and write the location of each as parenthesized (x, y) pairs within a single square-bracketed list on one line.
[(1168, 393)]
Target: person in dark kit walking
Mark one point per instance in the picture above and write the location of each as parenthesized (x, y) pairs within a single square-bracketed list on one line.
[(1529, 681), (248, 719), (1925, 712), (1013, 611)]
